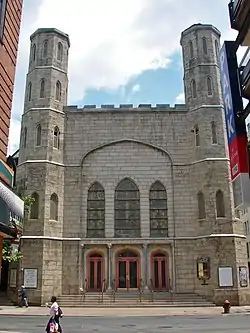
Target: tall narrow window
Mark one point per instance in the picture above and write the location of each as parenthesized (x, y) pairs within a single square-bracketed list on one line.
[(197, 136), (24, 137), (29, 91), (216, 45), (220, 206), (201, 206), (34, 52), (158, 210), (58, 90), (209, 86), (54, 207), (42, 88), (193, 89), (127, 210), (191, 50), (204, 45), (38, 135), (214, 133), (59, 51), (34, 209), (45, 49), (56, 142), (96, 211)]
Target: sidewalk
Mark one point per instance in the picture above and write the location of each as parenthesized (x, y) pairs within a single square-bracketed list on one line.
[(122, 312)]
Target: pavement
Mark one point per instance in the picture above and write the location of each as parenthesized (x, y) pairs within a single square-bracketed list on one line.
[(123, 312), (131, 324)]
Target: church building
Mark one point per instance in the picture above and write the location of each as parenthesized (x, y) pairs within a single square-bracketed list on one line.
[(129, 196)]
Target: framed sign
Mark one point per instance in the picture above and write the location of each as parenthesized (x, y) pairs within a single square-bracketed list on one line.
[(13, 278), (203, 268), (243, 276), (30, 277), (225, 277)]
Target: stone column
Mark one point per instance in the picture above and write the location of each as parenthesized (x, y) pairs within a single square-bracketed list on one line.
[(109, 265), (145, 260), (81, 268)]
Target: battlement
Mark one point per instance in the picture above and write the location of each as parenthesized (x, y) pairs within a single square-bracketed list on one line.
[(127, 107)]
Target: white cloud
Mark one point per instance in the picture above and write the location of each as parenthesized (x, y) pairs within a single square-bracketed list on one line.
[(14, 136), (180, 99), (136, 88), (113, 41)]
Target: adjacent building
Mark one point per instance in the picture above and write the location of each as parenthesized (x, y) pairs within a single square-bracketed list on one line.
[(133, 196), (11, 207)]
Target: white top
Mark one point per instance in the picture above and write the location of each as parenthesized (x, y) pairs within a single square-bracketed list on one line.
[(54, 309)]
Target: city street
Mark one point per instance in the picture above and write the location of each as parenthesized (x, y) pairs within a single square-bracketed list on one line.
[(188, 324)]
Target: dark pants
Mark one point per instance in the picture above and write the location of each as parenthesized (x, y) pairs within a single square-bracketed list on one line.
[(56, 319)]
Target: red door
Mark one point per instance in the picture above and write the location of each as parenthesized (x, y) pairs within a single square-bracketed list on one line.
[(95, 272), (160, 272), (127, 270)]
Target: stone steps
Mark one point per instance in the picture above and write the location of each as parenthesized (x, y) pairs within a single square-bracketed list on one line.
[(4, 300), (133, 300)]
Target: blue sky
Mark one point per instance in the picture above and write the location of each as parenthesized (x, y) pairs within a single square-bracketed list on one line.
[(124, 51)]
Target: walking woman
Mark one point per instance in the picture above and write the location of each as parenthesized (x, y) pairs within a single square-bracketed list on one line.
[(55, 314)]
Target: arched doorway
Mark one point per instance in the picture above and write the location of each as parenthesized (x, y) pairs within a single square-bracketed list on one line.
[(127, 269), (95, 271), (159, 271)]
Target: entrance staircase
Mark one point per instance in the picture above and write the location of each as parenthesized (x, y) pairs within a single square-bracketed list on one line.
[(124, 299), (4, 300)]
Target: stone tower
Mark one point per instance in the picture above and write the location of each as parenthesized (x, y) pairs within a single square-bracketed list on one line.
[(41, 170)]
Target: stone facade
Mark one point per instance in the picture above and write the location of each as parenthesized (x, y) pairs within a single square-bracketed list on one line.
[(138, 196)]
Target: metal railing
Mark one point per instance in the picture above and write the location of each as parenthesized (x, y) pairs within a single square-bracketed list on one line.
[(114, 289), (152, 290), (141, 289), (103, 289)]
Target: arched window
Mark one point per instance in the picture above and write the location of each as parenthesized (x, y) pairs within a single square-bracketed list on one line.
[(54, 207), (193, 89), (158, 210), (191, 50), (34, 209), (197, 136), (127, 210), (42, 88), (216, 45), (45, 49), (220, 206), (56, 139), (34, 52), (58, 90), (59, 51), (201, 206), (214, 133), (204, 45), (24, 137), (209, 86), (96, 211), (29, 91), (38, 135)]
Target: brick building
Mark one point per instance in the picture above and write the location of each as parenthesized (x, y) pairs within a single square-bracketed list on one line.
[(138, 196), (11, 207)]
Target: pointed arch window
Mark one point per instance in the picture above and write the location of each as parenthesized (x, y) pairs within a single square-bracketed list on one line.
[(209, 86), (214, 133), (42, 88), (38, 135), (34, 209), (96, 211), (127, 210), (24, 137), (56, 138), (29, 91), (34, 52), (193, 89), (216, 45), (54, 207), (197, 136), (158, 210), (191, 50), (45, 49), (201, 206), (58, 90), (220, 206), (59, 51), (204, 45)]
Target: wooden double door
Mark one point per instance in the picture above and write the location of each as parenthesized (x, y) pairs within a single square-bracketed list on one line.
[(127, 270), (159, 271), (95, 272)]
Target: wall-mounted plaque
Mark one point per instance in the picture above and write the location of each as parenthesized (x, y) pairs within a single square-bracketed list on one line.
[(243, 276), (225, 277), (13, 278), (30, 277)]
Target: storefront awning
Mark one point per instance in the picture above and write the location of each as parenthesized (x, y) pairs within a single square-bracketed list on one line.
[(14, 203)]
